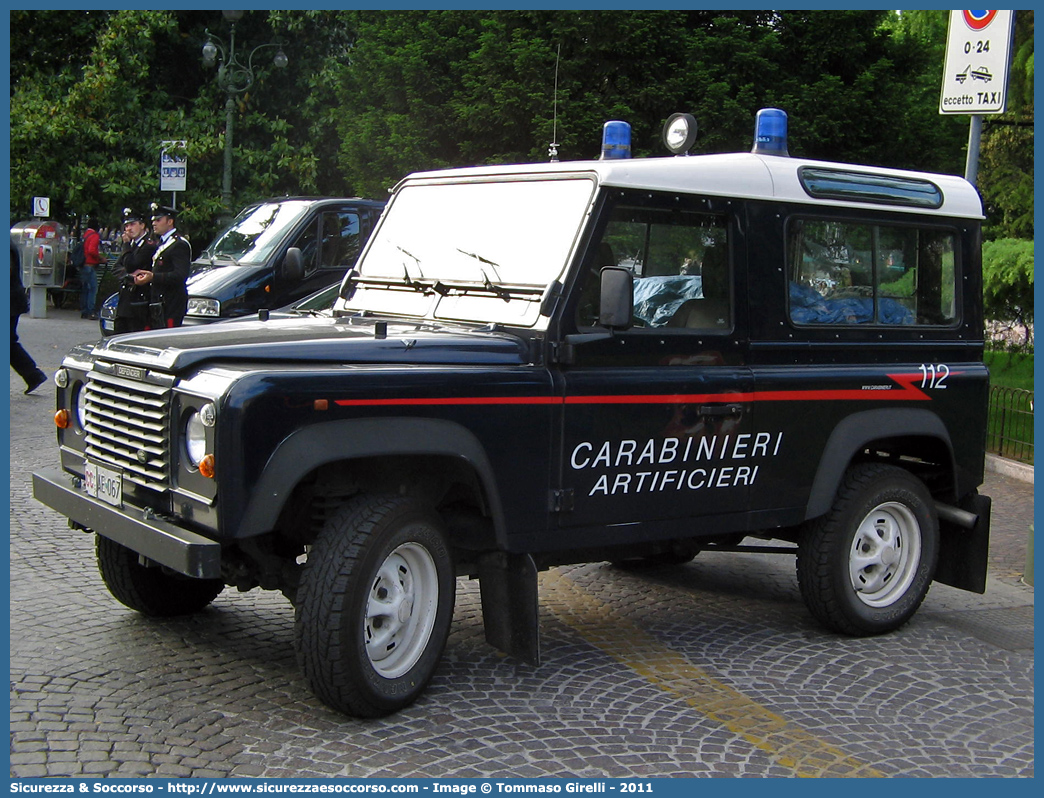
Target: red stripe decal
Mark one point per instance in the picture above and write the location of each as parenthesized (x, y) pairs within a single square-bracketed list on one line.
[(465, 400), (906, 392)]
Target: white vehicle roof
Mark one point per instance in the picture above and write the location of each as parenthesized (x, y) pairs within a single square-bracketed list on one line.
[(741, 175)]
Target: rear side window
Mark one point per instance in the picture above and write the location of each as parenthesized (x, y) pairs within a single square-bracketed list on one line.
[(861, 273)]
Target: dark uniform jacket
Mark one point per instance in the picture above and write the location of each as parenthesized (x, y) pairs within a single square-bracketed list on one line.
[(19, 301), (133, 304), (171, 265)]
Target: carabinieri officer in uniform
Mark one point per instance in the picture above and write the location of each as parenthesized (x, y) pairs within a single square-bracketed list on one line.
[(170, 269), (132, 308)]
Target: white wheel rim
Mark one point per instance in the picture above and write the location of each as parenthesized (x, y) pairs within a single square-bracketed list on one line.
[(885, 554), (400, 610)]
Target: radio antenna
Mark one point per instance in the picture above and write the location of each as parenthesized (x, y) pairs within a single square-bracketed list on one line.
[(553, 151)]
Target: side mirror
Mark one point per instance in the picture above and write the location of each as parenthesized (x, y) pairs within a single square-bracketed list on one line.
[(616, 305), (292, 268)]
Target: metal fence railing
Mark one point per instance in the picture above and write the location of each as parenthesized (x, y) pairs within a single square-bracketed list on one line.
[(1010, 427)]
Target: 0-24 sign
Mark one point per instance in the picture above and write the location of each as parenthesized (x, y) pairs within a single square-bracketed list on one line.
[(975, 72)]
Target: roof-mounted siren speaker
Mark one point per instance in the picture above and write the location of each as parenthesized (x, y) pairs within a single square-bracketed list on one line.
[(679, 133), (616, 140), (770, 132)]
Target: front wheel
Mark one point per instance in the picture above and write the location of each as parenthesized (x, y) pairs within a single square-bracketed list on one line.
[(151, 589), (374, 605), (865, 567)]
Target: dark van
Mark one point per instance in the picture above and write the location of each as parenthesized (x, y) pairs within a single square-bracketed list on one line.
[(246, 268)]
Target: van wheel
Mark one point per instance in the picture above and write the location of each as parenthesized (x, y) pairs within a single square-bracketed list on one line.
[(374, 605), (151, 590), (865, 567)]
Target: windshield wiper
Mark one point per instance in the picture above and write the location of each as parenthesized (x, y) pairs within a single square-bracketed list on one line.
[(410, 282), (487, 261), (496, 288)]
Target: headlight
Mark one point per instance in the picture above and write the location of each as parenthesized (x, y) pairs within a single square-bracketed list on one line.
[(108, 312), (201, 306), (196, 433), (195, 440), (79, 410)]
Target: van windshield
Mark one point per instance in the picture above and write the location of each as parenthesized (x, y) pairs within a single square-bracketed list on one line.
[(255, 233)]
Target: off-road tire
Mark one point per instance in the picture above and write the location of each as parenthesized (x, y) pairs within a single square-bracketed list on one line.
[(865, 567), (151, 590), (374, 605)]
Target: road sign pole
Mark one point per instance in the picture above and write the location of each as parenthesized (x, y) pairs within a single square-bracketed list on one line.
[(971, 166)]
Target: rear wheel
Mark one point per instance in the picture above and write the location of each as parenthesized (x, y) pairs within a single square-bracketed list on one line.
[(375, 604), (865, 567), (151, 589)]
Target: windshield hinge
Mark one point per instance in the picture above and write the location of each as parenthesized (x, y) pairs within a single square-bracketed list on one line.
[(562, 500), (563, 353)]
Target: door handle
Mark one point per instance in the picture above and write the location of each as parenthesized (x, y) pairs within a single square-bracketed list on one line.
[(721, 410)]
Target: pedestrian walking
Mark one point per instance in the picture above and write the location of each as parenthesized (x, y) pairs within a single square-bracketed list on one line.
[(132, 307), (171, 265), (93, 258), (21, 361)]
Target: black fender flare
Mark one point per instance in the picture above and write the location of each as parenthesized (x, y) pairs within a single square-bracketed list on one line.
[(860, 429), (311, 447)]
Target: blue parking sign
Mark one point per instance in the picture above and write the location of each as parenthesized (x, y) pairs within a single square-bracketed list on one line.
[(173, 166)]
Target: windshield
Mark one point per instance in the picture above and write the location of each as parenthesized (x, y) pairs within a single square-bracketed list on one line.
[(475, 251), (257, 231)]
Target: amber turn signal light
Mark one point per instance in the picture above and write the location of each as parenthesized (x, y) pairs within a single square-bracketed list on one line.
[(206, 466), (62, 419)]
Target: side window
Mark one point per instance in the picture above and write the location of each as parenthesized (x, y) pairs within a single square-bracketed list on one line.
[(853, 273), (308, 243), (331, 241), (680, 265), (340, 239)]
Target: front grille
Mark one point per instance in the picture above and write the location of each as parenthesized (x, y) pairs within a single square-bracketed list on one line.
[(127, 426)]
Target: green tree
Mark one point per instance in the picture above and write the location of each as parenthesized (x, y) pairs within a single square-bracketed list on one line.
[(86, 129), (1007, 266), (1006, 159)]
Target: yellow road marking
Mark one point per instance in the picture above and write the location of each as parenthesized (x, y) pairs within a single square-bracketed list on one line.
[(625, 642)]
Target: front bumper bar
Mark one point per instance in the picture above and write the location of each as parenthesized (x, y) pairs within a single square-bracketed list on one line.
[(152, 537)]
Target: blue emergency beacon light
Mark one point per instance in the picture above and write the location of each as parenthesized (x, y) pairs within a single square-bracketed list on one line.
[(616, 140), (770, 132)]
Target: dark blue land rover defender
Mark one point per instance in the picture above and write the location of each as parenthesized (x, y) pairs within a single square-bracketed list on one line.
[(618, 360)]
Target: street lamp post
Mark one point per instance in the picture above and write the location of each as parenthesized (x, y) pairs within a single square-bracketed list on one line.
[(234, 77)]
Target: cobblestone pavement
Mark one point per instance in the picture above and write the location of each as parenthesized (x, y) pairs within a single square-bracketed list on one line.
[(709, 669)]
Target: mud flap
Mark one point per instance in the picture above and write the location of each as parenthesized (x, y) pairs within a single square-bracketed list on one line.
[(964, 552), (510, 614)]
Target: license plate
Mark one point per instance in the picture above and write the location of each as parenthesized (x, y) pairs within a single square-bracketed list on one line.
[(103, 483)]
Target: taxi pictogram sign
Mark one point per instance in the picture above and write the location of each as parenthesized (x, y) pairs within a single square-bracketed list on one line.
[(975, 72)]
